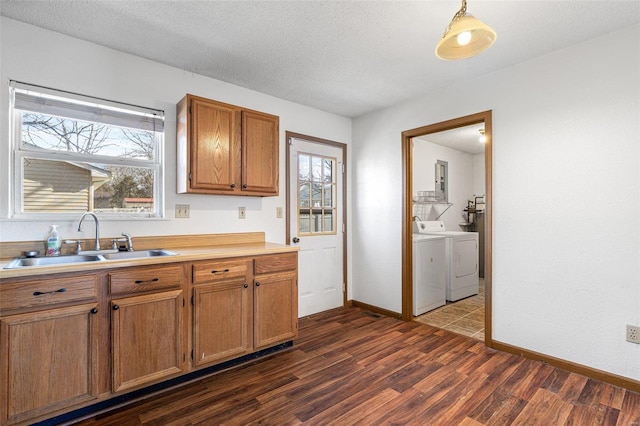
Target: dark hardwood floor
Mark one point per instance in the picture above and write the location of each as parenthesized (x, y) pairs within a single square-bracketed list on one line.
[(353, 367)]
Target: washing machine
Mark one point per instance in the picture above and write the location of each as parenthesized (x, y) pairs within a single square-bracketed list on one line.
[(429, 285), (461, 258)]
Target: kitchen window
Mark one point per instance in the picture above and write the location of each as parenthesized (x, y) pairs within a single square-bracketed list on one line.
[(75, 153)]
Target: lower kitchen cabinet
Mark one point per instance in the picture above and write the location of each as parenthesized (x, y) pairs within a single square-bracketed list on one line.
[(275, 307), (275, 299), (146, 338), (243, 305), (222, 315), (147, 311), (49, 361), (69, 340)]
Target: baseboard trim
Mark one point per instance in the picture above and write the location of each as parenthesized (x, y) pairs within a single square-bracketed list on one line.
[(603, 376), (376, 309)]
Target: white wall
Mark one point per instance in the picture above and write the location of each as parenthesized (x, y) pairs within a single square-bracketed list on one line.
[(478, 175), (38, 56), (566, 242), (460, 174)]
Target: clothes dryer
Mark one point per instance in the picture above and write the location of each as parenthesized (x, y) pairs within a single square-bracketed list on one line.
[(462, 278), (429, 270)]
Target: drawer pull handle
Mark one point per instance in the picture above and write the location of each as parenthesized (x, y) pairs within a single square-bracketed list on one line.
[(40, 293), (147, 281), (233, 185), (94, 311), (246, 286), (116, 307), (215, 271), (257, 284)]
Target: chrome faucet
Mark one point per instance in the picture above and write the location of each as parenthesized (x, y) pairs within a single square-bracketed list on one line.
[(95, 218), (129, 241)]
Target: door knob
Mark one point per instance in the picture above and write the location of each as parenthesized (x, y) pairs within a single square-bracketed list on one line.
[(296, 240)]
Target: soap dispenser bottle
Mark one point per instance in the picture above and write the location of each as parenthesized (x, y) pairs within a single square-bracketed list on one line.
[(53, 242)]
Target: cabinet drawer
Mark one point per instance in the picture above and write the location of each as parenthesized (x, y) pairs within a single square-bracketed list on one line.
[(32, 294), (218, 270), (145, 279), (275, 263)]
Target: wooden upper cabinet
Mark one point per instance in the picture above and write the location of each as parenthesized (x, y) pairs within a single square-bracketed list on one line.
[(214, 148), (226, 149), (260, 151)]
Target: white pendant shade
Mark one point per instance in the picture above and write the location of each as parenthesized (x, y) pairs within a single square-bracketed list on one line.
[(475, 37)]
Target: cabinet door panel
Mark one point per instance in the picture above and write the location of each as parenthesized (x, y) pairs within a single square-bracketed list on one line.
[(146, 338), (215, 150), (260, 151), (222, 315), (276, 309), (49, 361)]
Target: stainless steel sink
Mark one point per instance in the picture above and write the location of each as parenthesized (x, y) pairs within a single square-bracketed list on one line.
[(21, 262), (137, 254)]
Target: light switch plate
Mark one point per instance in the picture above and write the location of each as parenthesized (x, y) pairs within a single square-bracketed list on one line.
[(242, 213), (182, 211), (279, 212)]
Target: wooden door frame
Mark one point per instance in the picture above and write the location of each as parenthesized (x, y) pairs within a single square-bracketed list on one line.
[(407, 210), (343, 147)]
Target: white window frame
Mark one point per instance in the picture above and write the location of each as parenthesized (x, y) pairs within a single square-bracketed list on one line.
[(153, 118)]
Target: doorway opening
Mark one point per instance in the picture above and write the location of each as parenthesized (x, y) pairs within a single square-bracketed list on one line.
[(483, 119), (316, 214)]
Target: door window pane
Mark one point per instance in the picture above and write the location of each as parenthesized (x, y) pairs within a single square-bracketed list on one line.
[(316, 194), (303, 167)]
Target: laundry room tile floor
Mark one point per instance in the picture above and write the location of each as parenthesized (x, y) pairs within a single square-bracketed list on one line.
[(464, 317)]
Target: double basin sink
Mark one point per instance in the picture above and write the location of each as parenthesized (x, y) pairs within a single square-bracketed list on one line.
[(22, 262)]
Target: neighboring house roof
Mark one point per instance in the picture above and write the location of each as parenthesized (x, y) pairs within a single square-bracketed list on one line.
[(99, 176)]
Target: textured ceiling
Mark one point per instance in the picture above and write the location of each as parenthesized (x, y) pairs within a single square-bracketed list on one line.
[(345, 57)]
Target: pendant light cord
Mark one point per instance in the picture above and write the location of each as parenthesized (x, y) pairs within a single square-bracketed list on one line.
[(459, 14)]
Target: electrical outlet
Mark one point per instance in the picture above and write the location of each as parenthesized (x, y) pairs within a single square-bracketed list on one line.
[(242, 212), (182, 211), (633, 334), (279, 212)]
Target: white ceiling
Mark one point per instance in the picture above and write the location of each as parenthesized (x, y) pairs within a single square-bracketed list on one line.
[(345, 57), (464, 139)]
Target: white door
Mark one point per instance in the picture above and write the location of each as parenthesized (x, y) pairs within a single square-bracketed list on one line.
[(316, 173)]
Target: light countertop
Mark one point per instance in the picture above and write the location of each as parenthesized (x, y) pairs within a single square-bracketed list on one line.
[(182, 255)]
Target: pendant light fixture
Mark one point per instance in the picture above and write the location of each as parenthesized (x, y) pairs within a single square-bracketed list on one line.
[(465, 36), (483, 137)]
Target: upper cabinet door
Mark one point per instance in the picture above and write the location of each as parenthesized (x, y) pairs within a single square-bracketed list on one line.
[(260, 151), (226, 149), (214, 146)]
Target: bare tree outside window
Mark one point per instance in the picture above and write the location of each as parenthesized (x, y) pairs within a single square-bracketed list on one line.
[(78, 153)]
